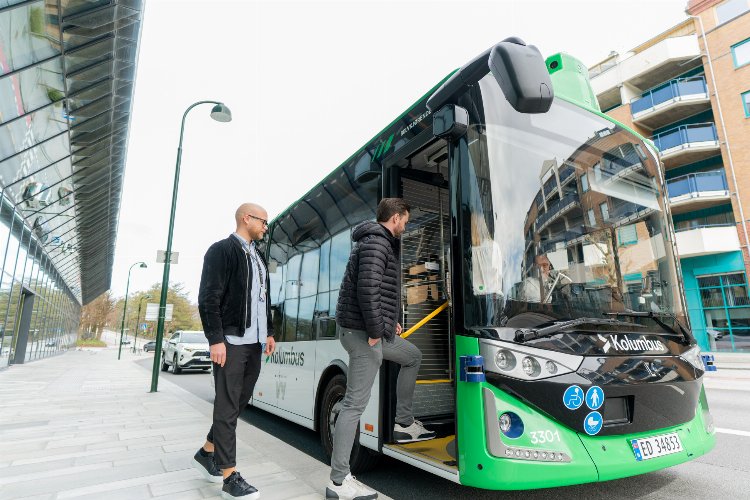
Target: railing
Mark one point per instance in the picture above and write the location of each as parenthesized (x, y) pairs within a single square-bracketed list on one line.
[(555, 208), (601, 68), (613, 163), (623, 210), (674, 89), (702, 226), (564, 237), (695, 184), (565, 172), (549, 186), (685, 134), (538, 200)]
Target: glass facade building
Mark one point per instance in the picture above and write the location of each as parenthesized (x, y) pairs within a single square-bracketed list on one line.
[(67, 70)]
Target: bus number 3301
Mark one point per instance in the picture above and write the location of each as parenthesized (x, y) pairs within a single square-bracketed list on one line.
[(541, 437)]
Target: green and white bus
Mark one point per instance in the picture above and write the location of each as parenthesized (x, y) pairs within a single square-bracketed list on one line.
[(539, 280)]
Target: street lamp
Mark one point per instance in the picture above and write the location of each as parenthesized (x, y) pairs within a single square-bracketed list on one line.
[(138, 318), (125, 306), (220, 113)]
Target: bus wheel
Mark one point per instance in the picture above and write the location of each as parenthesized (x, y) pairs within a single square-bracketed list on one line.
[(362, 459)]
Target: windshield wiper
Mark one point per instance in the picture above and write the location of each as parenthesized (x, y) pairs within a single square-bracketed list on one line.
[(526, 334), (655, 316)]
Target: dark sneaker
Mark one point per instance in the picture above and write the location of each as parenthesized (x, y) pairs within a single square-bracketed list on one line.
[(236, 487), (204, 462), (414, 432)]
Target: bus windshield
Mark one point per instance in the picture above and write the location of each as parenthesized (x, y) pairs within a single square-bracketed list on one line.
[(563, 216)]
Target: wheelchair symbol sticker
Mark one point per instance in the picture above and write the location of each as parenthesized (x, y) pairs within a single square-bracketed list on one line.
[(573, 397), (593, 423), (595, 397)]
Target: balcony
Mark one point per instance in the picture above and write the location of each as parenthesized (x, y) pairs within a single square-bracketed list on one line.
[(696, 191), (707, 240), (658, 63), (687, 144), (566, 172), (678, 100), (557, 209)]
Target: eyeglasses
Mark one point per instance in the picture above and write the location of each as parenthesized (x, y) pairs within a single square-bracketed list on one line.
[(263, 221)]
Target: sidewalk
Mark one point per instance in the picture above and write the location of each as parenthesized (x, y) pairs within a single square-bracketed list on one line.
[(83, 425), (731, 360)]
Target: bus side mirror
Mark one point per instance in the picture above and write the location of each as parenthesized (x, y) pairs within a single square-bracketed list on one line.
[(522, 74), (450, 122)]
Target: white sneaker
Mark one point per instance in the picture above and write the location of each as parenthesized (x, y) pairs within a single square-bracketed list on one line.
[(350, 489), (414, 432)]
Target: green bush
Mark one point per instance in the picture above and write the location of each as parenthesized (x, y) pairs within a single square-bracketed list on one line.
[(54, 95), (90, 343), (36, 20)]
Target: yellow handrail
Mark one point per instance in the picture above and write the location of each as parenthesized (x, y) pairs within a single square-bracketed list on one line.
[(423, 321)]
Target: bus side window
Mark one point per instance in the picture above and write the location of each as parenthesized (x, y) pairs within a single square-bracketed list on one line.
[(341, 246)]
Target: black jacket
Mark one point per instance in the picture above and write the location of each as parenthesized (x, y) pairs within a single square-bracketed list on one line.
[(370, 294), (224, 291)]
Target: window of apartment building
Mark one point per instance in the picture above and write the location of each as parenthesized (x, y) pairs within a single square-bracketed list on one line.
[(726, 306), (731, 9), (584, 183), (741, 53), (627, 235), (605, 211), (746, 103), (592, 217)]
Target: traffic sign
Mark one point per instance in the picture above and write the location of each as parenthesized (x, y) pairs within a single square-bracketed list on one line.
[(152, 312)]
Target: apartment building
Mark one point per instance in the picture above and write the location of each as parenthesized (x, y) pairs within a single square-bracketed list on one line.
[(688, 90)]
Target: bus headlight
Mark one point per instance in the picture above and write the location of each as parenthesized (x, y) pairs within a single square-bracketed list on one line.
[(531, 366), (511, 425), (551, 367), (526, 362), (505, 360)]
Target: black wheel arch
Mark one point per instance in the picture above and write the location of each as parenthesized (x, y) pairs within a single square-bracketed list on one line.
[(337, 367)]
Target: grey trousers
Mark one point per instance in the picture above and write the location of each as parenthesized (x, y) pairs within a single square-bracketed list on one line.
[(364, 362)]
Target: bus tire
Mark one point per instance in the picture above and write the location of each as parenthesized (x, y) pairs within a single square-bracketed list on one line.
[(362, 459)]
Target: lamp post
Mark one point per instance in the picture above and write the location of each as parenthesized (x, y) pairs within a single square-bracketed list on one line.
[(125, 306), (220, 113), (138, 319)]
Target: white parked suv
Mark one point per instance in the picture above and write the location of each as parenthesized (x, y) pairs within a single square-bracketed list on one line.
[(186, 349)]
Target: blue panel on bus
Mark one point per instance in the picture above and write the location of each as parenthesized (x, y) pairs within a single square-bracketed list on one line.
[(471, 369)]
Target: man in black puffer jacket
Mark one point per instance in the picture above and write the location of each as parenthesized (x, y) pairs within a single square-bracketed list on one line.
[(367, 314)]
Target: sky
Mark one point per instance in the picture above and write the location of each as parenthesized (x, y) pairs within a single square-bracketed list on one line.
[(308, 83)]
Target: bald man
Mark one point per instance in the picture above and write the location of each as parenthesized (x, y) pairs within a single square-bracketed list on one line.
[(234, 306)]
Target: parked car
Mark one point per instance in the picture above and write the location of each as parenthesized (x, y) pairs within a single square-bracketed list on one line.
[(149, 346), (51, 343), (186, 349)]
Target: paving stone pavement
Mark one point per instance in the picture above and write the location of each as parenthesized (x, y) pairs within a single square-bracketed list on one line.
[(83, 425)]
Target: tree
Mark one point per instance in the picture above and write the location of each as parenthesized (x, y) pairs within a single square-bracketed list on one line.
[(184, 313), (96, 315)]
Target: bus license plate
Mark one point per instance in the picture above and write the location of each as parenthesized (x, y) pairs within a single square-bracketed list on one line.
[(657, 446)]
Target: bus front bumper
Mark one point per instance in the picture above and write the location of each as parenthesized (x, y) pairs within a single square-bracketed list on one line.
[(548, 454)]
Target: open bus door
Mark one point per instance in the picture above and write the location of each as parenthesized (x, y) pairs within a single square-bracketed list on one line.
[(420, 176)]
